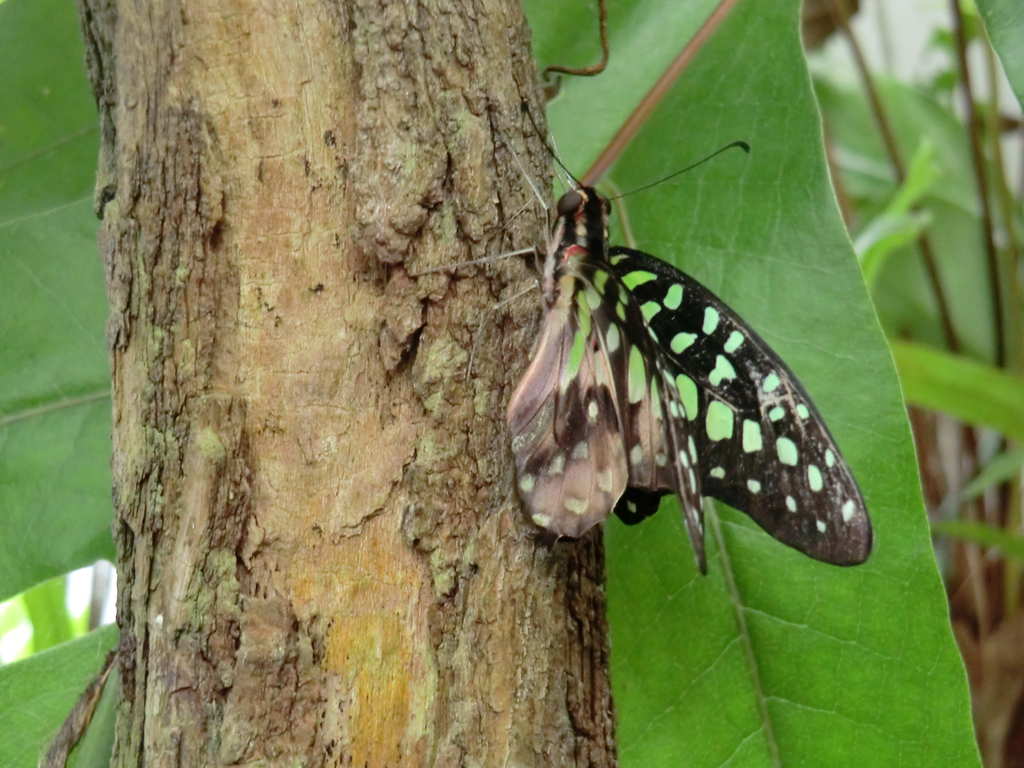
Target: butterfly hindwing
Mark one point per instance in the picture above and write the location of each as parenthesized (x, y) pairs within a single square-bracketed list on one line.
[(761, 445)]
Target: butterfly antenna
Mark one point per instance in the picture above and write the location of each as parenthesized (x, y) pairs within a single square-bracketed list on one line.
[(478, 336), (576, 183), (732, 145)]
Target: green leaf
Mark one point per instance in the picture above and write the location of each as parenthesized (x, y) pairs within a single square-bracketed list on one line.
[(1010, 544), (897, 226), (903, 294), (772, 659), (97, 744), (998, 470), (47, 610), (973, 392), (48, 144), (1004, 20), (54, 411), (40, 691)]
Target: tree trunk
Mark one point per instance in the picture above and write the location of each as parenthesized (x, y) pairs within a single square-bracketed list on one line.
[(322, 560)]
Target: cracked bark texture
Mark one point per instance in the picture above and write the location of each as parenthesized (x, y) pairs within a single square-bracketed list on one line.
[(321, 557)]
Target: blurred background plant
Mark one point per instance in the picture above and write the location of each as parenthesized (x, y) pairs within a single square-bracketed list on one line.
[(925, 139), (924, 135)]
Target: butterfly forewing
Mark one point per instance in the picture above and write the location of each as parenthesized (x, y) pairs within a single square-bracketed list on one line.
[(762, 446)]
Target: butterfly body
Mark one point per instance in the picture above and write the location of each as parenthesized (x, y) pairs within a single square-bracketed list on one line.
[(643, 383)]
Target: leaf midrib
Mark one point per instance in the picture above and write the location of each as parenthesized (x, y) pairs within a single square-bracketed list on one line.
[(56, 405), (745, 639)]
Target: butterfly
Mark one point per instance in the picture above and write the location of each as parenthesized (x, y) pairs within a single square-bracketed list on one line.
[(644, 383)]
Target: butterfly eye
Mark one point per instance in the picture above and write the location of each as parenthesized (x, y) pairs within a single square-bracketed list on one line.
[(569, 203)]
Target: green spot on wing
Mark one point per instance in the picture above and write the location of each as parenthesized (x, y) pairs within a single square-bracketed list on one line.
[(786, 449), (656, 399), (612, 338), (688, 393), (637, 278), (718, 421), (710, 320), (814, 478), (650, 309), (681, 341), (723, 370), (637, 375), (579, 344), (674, 297), (733, 342), (582, 314), (751, 436)]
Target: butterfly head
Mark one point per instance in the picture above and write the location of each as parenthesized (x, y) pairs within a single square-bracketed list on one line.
[(580, 231), (582, 220)]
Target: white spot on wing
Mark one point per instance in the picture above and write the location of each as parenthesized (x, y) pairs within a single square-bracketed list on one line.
[(636, 455), (848, 509), (576, 506)]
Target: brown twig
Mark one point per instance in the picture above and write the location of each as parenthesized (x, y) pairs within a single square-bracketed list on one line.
[(892, 150), (657, 92), (595, 69), (981, 180)]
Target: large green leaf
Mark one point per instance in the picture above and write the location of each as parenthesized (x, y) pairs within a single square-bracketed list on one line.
[(772, 659), (46, 609), (39, 692), (54, 410), (1004, 20)]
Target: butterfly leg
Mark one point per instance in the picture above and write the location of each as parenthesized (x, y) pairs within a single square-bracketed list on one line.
[(478, 336), (531, 251)]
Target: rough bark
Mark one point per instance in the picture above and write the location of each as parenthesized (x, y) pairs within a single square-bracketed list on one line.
[(321, 557)]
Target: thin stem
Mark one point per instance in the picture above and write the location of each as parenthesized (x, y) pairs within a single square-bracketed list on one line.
[(1007, 205), (892, 150), (980, 178), (885, 36), (654, 96), (596, 69)]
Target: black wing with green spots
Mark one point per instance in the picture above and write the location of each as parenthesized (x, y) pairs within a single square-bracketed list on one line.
[(762, 446), (644, 383)]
